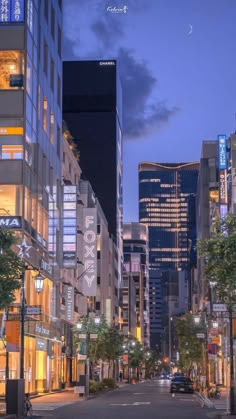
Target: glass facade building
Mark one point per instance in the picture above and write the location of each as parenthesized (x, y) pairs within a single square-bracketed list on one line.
[(30, 170), (92, 109), (164, 203)]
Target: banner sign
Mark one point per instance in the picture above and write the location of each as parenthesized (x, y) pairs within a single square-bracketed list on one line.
[(223, 187), (89, 279), (13, 335), (69, 226)]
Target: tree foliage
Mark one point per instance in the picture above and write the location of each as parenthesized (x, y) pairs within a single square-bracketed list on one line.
[(190, 347), (220, 256), (108, 344), (10, 268)]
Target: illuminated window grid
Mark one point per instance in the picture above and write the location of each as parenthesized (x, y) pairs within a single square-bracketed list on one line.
[(12, 152)]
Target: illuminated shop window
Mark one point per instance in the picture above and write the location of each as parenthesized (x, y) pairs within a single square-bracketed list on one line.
[(10, 152), (10, 200), (11, 70), (45, 114), (51, 128)]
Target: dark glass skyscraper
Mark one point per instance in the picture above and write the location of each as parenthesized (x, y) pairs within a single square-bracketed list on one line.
[(92, 110), (164, 203)]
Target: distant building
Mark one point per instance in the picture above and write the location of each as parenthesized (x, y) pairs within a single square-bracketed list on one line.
[(136, 270), (164, 201)]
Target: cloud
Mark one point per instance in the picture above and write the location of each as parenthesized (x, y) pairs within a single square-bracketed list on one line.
[(108, 31), (98, 34), (141, 113)]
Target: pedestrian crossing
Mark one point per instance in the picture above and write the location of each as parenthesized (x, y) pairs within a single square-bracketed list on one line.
[(38, 407)]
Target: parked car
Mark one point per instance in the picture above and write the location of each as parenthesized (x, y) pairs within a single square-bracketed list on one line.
[(181, 384)]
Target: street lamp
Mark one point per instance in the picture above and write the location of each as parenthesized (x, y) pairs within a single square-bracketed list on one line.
[(38, 283)]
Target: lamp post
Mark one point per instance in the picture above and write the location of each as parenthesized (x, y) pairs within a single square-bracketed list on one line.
[(126, 347), (80, 326), (197, 320), (24, 252)]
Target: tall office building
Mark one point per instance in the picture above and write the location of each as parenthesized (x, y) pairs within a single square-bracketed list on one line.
[(93, 112), (136, 271), (164, 191), (30, 172)]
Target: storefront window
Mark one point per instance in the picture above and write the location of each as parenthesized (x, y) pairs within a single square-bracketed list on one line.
[(11, 70), (10, 200)]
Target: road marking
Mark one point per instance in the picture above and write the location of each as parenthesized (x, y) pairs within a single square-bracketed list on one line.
[(49, 406), (130, 404), (188, 400), (138, 393)]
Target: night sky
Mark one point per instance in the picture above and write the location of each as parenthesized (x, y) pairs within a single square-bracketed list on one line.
[(179, 88)]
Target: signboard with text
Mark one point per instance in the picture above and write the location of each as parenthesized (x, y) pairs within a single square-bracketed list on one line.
[(222, 152), (69, 226), (12, 11), (69, 299), (89, 279), (11, 223)]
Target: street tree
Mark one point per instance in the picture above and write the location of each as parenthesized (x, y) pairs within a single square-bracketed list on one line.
[(189, 346), (219, 252), (110, 347), (10, 268)]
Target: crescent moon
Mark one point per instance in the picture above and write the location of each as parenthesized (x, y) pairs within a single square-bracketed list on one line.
[(191, 29)]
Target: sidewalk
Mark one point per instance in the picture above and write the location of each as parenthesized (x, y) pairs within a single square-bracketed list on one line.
[(217, 404), (57, 398)]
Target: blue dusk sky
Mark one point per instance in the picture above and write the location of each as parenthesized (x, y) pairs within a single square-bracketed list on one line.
[(177, 63)]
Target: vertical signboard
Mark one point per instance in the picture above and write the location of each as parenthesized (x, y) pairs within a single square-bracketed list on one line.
[(12, 11), (69, 226), (69, 299), (222, 165), (223, 187), (222, 154), (89, 278)]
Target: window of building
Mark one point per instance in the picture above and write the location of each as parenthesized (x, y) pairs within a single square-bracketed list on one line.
[(45, 58), (64, 157), (52, 128), (52, 22), (59, 91), (10, 200), (59, 142), (11, 70), (46, 9), (12, 152), (45, 114), (98, 280), (52, 75), (59, 35), (98, 305)]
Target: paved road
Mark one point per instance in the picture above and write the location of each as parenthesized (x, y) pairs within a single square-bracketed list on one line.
[(148, 400)]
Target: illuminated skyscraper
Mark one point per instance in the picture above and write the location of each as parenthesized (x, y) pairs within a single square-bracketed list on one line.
[(164, 203)]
